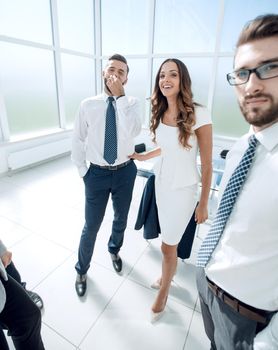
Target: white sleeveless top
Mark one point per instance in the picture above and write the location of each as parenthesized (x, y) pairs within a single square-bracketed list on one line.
[(178, 165)]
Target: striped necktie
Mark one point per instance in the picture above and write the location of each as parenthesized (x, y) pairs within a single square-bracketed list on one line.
[(226, 204), (110, 140)]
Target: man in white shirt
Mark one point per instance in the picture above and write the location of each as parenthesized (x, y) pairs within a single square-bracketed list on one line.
[(110, 170), (238, 286)]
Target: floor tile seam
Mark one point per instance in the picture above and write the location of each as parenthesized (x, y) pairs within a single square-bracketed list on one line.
[(36, 233), (53, 270), (139, 257), (60, 335), (101, 313), (196, 303), (148, 287), (17, 223), (172, 298), (110, 299), (42, 235), (20, 240), (188, 330), (128, 273), (56, 243)]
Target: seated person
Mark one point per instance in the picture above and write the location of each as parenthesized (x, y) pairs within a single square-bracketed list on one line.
[(18, 313), (13, 272)]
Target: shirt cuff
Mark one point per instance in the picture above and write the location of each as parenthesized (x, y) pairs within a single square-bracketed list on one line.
[(82, 171)]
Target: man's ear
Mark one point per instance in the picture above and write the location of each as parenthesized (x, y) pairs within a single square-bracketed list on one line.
[(125, 81)]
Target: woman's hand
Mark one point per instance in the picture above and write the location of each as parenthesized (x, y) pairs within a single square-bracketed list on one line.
[(137, 156), (201, 213)]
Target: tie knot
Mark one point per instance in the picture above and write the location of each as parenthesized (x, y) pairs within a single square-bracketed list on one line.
[(252, 141), (110, 99)]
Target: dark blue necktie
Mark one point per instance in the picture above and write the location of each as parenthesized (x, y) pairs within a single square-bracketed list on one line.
[(110, 140), (226, 204)]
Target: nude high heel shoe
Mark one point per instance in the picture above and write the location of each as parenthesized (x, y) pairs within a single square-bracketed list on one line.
[(155, 316), (156, 284)]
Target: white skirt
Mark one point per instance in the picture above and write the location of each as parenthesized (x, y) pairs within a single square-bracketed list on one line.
[(175, 208)]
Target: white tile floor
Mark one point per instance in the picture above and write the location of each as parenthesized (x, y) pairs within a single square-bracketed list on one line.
[(41, 217)]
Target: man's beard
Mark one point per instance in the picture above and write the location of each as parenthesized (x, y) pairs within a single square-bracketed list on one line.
[(257, 116)]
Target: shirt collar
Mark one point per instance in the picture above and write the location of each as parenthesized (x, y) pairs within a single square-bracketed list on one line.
[(268, 137), (105, 96)]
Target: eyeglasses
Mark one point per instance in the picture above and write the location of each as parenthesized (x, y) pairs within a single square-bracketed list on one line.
[(265, 71)]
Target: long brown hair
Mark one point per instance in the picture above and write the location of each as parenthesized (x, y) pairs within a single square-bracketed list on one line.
[(186, 117)]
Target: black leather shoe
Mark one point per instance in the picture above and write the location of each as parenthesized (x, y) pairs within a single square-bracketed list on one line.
[(81, 285), (117, 262), (34, 296)]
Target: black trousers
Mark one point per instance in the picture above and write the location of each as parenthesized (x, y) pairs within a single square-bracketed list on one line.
[(20, 316)]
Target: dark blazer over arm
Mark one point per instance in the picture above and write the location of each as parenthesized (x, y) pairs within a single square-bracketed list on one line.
[(148, 217)]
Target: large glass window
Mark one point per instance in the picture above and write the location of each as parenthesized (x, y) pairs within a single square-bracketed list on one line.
[(28, 85), (137, 78), (90, 31), (125, 26), (185, 26), (227, 118), (28, 19), (76, 25), (237, 14), (78, 83)]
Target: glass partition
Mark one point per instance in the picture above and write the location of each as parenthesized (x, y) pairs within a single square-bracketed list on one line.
[(28, 84), (28, 20), (237, 13), (227, 118), (78, 83), (185, 26), (76, 25), (125, 27)]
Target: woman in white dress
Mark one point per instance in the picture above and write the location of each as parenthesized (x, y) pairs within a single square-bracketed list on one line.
[(180, 128)]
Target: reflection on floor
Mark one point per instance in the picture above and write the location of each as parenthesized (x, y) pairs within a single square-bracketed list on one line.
[(41, 217)]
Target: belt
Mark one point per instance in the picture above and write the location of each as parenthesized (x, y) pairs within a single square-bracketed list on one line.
[(243, 309), (112, 167)]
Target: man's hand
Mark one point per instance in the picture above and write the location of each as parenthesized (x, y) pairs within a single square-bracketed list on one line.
[(115, 86), (267, 339), (6, 258)]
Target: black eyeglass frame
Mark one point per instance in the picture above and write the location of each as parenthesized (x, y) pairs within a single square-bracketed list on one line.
[(250, 71)]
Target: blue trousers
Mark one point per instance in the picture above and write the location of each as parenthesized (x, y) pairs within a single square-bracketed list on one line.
[(99, 184)]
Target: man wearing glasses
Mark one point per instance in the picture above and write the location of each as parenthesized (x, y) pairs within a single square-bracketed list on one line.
[(238, 260)]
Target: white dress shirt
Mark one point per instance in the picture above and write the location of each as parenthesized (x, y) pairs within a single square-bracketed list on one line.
[(245, 261), (89, 130)]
